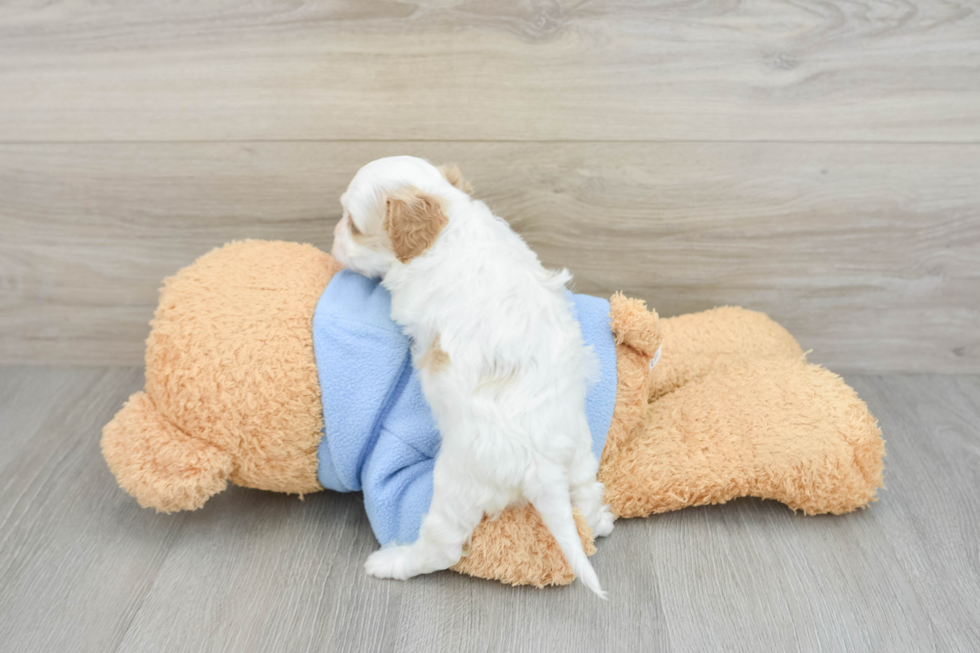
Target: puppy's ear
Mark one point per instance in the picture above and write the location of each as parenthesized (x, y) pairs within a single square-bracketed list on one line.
[(452, 174), (413, 221)]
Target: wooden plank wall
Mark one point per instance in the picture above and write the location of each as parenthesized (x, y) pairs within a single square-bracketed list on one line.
[(816, 161)]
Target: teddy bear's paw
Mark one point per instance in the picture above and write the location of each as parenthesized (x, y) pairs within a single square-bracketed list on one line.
[(602, 524), (391, 562)]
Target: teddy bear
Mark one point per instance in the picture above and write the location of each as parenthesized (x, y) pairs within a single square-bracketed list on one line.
[(702, 409)]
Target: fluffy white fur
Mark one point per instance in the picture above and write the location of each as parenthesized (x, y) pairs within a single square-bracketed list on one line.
[(510, 400)]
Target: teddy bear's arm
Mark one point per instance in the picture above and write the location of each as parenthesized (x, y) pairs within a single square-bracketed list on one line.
[(517, 549)]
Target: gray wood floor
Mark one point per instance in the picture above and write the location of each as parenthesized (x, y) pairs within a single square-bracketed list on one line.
[(83, 568)]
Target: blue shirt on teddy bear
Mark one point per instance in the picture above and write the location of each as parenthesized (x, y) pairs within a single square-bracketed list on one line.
[(379, 434)]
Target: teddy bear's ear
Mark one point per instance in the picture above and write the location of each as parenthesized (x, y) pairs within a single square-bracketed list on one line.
[(157, 463), (413, 220)]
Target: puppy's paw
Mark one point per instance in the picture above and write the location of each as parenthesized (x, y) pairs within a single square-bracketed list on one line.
[(392, 562), (603, 523)]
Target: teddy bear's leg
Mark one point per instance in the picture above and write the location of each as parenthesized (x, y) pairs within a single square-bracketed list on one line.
[(714, 340), (158, 464), (776, 429)]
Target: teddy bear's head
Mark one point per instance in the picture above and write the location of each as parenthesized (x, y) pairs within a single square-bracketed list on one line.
[(231, 385)]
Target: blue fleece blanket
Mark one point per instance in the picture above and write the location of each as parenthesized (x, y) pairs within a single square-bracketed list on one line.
[(379, 434)]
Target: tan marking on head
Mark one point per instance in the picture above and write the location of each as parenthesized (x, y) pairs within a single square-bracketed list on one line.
[(435, 359), (452, 174), (413, 221)]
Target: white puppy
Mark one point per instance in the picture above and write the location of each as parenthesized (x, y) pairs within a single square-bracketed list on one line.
[(500, 355)]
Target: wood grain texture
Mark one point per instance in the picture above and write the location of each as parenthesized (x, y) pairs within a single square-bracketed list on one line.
[(746, 70), (868, 253), (68, 580), (83, 568)]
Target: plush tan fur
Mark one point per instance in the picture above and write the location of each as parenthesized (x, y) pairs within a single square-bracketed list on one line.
[(732, 409), (517, 549), (720, 339), (160, 464), (231, 387), (775, 429), (413, 221)]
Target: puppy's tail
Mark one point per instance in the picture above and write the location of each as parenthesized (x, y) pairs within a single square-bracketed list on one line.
[(550, 496)]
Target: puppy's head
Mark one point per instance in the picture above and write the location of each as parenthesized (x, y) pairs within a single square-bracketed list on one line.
[(394, 210)]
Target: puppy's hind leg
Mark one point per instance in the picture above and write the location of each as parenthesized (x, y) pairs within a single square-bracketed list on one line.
[(546, 486), (456, 509), (588, 494)]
